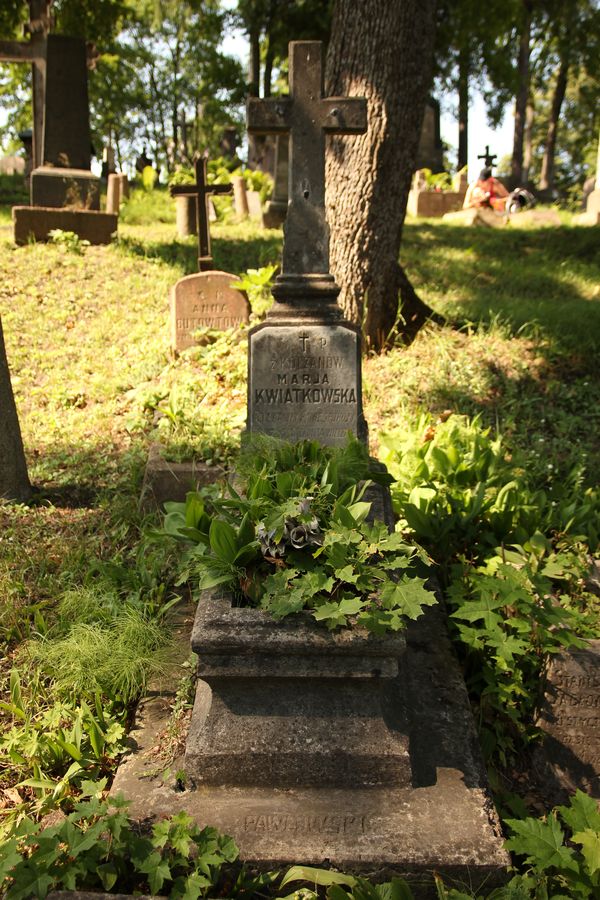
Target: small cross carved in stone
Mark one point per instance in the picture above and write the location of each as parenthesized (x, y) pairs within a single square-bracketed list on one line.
[(200, 190), (307, 116)]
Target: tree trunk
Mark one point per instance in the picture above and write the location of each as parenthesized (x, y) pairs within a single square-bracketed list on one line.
[(528, 142), (381, 51), (463, 108), (14, 481), (547, 174), (522, 97)]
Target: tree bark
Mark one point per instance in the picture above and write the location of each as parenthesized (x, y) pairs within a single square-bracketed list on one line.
[(382, 51), (463, 108), (528, 142), (522, 97), (14, 480), (547, 174)]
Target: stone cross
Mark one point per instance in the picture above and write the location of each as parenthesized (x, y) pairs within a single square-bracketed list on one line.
[(489, 159), (33, 52), (200, 190), (307, 117)]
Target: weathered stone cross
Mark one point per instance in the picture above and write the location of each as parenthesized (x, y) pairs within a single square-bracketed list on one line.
[(201, 189), (307, 116), (34, 52)]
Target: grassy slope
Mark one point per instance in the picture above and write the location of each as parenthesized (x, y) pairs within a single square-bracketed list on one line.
[(87, 339)]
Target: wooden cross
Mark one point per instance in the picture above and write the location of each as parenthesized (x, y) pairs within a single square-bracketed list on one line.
[(488, 158), (200, 190), (307, 116)]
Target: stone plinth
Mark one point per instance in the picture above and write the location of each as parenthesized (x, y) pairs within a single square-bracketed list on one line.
[(433, 204), (443, 821), (304, 381), (37, 222), (65, 188), (205, 300), (165, 480), (570, 719), (289, 704)]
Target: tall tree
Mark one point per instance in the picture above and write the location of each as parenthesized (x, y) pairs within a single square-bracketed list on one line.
[(14, 480), (382, 51), (572, 47), (523, 90)]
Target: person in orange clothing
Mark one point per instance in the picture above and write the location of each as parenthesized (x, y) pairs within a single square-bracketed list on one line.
[(486, 191)]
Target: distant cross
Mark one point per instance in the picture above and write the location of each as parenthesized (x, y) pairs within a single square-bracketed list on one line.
[(307, 116), (489, 159), (200, 190)]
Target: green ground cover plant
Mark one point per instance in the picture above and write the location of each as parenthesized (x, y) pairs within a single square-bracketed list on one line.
[(88, 345), (294, 535)]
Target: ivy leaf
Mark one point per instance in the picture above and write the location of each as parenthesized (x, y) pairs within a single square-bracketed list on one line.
[(157, 869), (408, 596), (541, 843), (590, 842), (347, 574), (30, 882), (581, 814), (107, 873)]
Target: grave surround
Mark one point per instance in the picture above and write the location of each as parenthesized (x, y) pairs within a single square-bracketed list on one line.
[(570, 720)]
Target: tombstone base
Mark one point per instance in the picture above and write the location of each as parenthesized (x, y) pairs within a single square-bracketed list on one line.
[(165, 480), (65, 188), (444, 821), (34, 222)]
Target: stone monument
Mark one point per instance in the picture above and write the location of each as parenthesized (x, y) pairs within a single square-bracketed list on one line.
[(570, 720), (304, 374), (591, 216), (308, 745), (206, 299), (64, 192)]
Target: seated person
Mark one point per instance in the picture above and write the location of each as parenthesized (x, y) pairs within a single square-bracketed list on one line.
[(486, 191)]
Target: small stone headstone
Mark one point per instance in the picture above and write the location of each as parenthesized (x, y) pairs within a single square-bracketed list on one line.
[(570, 718), (205, 300), (254, 206), (113, 195), (240, 197), (305, 382)]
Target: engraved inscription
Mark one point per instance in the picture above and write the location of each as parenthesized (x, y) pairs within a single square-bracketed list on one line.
[(325, 824), (305, 382), (206, 300)]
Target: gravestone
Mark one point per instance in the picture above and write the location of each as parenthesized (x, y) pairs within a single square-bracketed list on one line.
[(240, 196), (304, 374), (570, 719), (206, 299), (307, 745), (430, 152)]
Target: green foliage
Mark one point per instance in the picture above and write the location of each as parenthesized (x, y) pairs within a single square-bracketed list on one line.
[(257, 284), (53, 750), (115, 658), (507, 619), (69, 241), (459, 492), (296, 538), (149, 178), (510, 555), (96, 846), (561, 852), (257, 180)]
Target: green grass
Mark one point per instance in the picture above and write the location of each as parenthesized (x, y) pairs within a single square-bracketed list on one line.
[(88, 345)]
